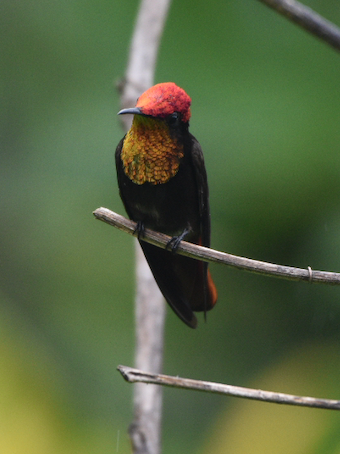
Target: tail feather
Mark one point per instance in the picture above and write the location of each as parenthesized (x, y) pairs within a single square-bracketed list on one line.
[(182, 282)]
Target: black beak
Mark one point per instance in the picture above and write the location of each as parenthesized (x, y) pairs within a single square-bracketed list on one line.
[(131, 110)]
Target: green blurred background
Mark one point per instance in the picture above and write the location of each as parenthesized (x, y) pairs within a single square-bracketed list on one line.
[(266, 111)]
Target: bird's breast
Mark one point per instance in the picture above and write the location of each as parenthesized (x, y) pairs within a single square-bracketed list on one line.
[(151, 155)]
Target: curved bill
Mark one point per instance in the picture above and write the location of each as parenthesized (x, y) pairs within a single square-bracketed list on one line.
[(131, 110)]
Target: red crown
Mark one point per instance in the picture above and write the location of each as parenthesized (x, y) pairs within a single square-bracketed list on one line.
[(164, 99)]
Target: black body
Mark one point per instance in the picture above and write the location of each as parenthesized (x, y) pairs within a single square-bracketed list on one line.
[(179, 204)]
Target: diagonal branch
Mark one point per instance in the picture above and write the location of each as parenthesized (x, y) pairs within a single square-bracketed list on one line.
[(307, 19), (135, 375), (210, 255)]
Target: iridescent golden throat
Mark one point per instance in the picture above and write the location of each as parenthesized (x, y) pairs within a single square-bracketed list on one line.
[(149, 153)]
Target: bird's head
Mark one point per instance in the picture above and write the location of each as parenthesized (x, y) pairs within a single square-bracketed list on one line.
[(162, 101)]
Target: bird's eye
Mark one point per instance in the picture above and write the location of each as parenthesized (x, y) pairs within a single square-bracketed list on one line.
[(173, 118)]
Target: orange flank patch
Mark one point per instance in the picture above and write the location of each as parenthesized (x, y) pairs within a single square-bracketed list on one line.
[(211, 290)]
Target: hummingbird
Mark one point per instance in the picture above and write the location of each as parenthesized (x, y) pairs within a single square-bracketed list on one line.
[(163, 185)]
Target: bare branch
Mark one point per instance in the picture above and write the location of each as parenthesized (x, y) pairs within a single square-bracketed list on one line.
[(135, 375), (210, 255), (145, 431), (307, 19)]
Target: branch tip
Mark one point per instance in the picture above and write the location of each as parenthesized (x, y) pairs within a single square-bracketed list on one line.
[(228, 390)]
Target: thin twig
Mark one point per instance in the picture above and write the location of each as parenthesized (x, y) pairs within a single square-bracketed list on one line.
[(210, 255), (135, 375), (307, 19)]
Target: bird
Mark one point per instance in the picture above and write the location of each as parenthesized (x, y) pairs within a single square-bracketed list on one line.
[(163, 185)]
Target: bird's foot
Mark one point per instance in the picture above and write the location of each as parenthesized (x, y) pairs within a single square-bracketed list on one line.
[(175, 241), (140, 228)]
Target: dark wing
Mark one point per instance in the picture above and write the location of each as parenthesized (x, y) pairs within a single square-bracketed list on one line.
[(204, 210), (119, 164), (118, 153), (121, 178), (203, 191)]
